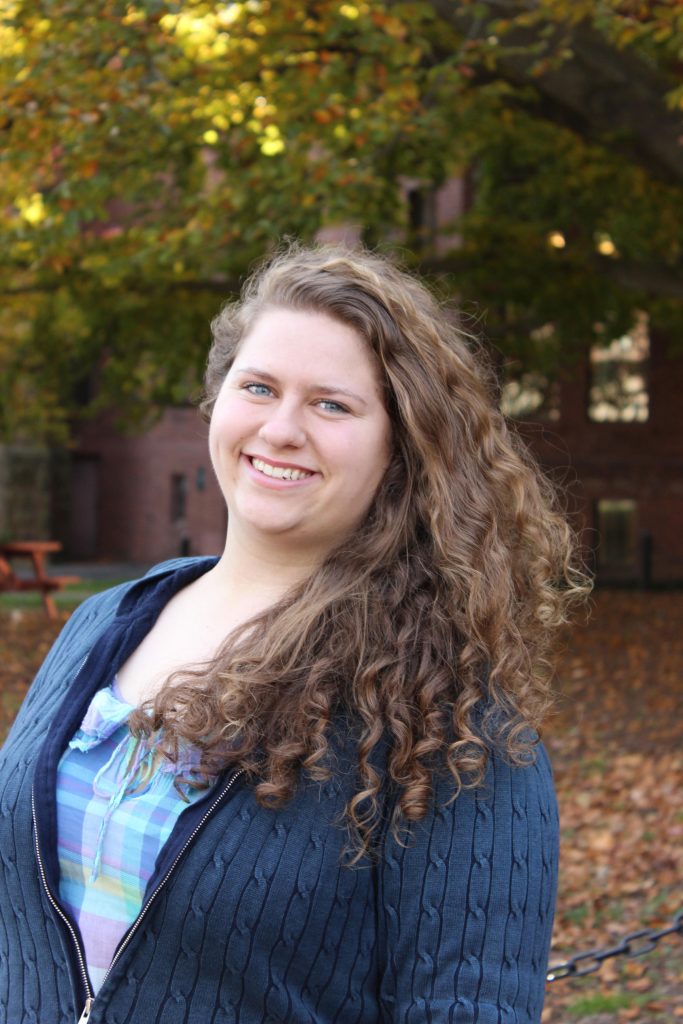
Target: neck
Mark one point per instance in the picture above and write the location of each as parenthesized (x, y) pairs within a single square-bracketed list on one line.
[(259, 573)]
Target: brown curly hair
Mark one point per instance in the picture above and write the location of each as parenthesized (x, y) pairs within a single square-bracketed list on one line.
[(431, 630)]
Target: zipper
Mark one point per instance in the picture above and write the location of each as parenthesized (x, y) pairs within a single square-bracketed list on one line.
[(200, 824), (85, 1015), (55, 905)]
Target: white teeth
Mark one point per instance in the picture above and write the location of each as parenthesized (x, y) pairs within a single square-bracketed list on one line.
[(279, 471)]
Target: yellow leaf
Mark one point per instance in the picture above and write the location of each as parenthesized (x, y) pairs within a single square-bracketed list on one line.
[(271, 147), (31, 208)]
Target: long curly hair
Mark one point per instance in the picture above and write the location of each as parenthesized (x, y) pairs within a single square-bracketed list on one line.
[(429, 633)]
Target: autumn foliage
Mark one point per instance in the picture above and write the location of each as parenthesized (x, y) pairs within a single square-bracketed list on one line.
[(153, 149), (615, 743)]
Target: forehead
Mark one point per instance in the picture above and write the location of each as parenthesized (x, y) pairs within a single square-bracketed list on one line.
[(296, 341)]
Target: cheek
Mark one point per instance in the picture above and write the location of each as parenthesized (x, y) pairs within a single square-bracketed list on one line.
[(371, 470), (229, 422), (216, 428), (222, 439)]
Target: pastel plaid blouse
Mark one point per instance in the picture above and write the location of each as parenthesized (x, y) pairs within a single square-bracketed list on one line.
[(115, 810)]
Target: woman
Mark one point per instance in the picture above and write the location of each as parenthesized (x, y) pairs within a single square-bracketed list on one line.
[(301, 782)]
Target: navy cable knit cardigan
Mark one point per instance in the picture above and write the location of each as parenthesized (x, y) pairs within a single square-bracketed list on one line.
[(258, 919)]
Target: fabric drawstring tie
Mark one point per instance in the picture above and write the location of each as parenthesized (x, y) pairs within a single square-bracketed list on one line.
[(130, 769), (128, 758)]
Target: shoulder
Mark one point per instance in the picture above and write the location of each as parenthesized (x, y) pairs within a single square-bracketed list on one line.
[(511, 814), (106, 604), (95, 613), (493, 846), (511, 797), (98, 611), (82, 629)]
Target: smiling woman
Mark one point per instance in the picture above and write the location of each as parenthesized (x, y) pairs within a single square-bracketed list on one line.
[(302, 781), (299, 458)]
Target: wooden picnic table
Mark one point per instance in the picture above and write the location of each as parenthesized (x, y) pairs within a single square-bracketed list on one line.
[(35, 550)]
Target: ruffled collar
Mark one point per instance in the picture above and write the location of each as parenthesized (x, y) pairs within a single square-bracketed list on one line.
[(134, 765)]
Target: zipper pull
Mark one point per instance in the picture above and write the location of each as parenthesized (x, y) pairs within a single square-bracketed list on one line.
[(85, 1016)]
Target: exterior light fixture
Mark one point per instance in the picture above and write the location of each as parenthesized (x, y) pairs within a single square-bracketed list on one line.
[(557, 240), (606, 246)]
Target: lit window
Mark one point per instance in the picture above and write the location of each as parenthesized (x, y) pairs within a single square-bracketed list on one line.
[(616, 523), (619, 377), (529, 394), (533, 394)]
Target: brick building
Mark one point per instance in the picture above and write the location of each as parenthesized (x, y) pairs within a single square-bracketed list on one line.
[(609, 432), (613, 435), (143, 498)]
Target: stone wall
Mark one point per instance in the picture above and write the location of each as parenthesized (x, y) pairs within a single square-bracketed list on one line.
[(25, 489)]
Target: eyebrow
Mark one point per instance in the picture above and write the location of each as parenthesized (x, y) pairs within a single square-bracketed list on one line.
[(322, 389)]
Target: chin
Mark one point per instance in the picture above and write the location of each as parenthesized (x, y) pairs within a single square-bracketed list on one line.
[(272, 527)]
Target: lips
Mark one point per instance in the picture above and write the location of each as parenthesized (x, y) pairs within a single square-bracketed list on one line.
[(279, 465), (278, 475)]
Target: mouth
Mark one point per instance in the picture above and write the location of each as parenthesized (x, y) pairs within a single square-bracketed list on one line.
[(279, 471)]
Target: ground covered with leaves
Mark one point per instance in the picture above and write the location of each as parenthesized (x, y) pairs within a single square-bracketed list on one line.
[(616, 747), (615, 742)]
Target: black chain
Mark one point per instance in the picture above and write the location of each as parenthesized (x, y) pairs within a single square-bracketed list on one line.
[(635, 944)]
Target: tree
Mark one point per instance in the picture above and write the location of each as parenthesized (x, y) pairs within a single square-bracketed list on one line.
[(155, 149)]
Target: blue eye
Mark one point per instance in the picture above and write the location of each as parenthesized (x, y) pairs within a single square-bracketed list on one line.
[(253, 389), (332, 406)]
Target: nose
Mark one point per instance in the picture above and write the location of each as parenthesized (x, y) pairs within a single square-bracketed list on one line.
[(283, 428)]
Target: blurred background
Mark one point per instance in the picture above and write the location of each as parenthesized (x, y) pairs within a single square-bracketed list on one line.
[(527, 158)]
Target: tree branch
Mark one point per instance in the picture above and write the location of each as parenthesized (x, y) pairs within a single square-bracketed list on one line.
[(600, 90), (659, 282)]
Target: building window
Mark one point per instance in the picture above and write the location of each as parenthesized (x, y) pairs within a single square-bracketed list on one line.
[(617, 545), (619, 372), (534, 393), (422, 217), (529, 395), (178, 497)]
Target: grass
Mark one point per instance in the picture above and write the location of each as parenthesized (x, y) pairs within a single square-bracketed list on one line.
[(607, 1003), (68, 598), (594, 765), (576, 914), (655, 903)]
